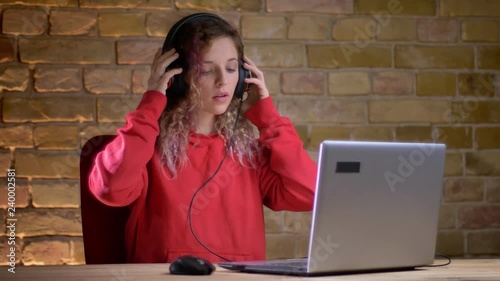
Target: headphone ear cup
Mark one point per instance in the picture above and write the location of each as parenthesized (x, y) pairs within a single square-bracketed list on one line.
[(242, 86), (248, 74), (176, 84)]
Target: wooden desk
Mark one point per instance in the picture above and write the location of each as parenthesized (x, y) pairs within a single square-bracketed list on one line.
[(480, 269)]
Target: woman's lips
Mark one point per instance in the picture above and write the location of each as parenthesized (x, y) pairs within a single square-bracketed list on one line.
[(221, 97)]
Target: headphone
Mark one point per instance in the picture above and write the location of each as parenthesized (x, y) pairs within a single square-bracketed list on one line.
[(179, 85)]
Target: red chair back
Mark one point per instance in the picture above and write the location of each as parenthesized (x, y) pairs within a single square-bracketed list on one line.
[(103, 226)]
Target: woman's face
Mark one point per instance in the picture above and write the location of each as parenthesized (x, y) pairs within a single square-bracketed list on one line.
[(218, 76)]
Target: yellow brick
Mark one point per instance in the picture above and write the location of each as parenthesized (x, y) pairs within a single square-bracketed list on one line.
[(476, 84), (121, 24), (484, 243), (107, 81), (417, 111), (302, 246), (349, 55), (14, 78), (313, 153), (454, 137), (398, 30), (51, 80), (372, 133), (463, 190), (55, 194), (484, 8), (272, 81), (483, 163), (303, 132), (17, 136), (488, 57), (273, 221), (453, 165), (279, 246), (480, 31), (436, 84), (348, 83), (438, 30), (359, 29), (46, 252), (34, 221), (400, 7), (56, 137), (479, 217), (434, 57), (309, 83), (115, 109), (5, 157), (297, 222), (73, 23), (44, 164), (393, 83), (64, 109), (78, 251), (322, 6), (323, 110), (414, 134), (487, 138), (140, 79), (219, 5), (492, 187), (65, 3), (125, 4), (137, 51), (450, 243), (475, 111), (158, 24), (57, 51), (447, 216), (103, 128), (263, 27), (24, 21), (275, 54), (321, 133), (22, 194), (309, 27)]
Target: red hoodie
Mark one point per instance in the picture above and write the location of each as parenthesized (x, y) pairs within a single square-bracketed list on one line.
[(227, 213)]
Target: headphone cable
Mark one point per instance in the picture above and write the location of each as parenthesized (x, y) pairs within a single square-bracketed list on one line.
[(208, 180), (442, 264)]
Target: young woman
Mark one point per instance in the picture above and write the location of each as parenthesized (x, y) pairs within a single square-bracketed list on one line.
[(165, 162)]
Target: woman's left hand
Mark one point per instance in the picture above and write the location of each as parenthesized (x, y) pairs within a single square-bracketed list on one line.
[(258, 90)]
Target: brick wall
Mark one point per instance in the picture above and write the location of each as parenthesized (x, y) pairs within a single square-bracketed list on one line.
[(388, 70)]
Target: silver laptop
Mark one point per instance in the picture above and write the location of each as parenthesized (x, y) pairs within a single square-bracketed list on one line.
[(376, 207)]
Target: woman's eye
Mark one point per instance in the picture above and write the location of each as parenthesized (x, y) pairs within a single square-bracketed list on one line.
[(207, 71), (231, 70)]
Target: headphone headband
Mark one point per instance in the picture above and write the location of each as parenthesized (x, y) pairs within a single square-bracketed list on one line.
[(178, 84), (191, 18)]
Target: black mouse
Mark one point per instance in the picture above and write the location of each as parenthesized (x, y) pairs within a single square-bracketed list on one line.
[(191, 265)]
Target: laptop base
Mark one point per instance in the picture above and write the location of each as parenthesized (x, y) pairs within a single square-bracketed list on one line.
[(295, 271)]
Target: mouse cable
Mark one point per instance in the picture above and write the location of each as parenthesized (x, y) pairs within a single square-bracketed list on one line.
[(438, 265), (208, 180)]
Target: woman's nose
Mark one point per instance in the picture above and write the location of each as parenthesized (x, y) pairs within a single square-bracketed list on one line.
[(221, 78)]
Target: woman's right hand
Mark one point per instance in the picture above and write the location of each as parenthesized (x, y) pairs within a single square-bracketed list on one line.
[(158, 79)]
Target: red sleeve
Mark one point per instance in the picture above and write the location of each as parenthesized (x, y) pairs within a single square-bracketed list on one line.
[(119, 173), (288, 175)]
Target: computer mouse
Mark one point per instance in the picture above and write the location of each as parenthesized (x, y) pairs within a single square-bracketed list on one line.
[(191, 265)]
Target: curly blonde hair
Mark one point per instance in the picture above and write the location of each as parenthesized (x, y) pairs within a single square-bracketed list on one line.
[(178, 118)]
